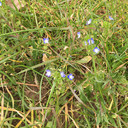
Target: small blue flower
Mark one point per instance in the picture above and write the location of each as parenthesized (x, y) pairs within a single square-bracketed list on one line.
[(62, 74), (111, 18), (89, 22), (85, 43), (78, 34), (48, 73), (46, 40), (96, 50), (92, 41), (89, 41), (70, 77), (0, 4)]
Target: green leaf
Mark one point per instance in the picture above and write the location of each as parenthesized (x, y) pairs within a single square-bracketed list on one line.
[(86, 59), (98, 119), (49, 124)]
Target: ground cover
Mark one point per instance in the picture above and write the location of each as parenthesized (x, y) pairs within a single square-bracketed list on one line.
[(64, 64)]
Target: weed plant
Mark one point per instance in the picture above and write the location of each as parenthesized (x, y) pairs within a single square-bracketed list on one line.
[(64, 64)]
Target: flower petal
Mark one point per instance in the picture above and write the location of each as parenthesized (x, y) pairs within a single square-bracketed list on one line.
[(85, 43), (111, 18), (46, 40), (89, 41), (89, 22), (70, 77), (78, 34), (48, 73), (62, 74), (96, 50), (92, 41)]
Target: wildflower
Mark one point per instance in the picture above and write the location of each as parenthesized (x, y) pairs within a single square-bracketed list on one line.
[(78, 34), (89, 22), (62, 74), (48, 73), (89, 42), (85, 43), (111, 18), (92, 41), (0, 4), (46, 40), (70, 77), (96, 50)]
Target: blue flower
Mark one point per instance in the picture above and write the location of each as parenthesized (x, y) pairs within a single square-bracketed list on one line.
[(48, 73), (62, 74), (78, 34), (111, 18), (70, 77), (89, 42), (92, 41), (85, 43), (89, 22), (0, 4), (46, 40), (96, 50)]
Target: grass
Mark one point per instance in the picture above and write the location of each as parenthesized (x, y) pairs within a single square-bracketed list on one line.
[(97, 97)]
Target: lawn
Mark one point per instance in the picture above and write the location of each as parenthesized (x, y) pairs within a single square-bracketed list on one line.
[(64, 64)]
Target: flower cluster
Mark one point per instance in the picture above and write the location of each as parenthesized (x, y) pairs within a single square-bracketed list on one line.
[(90, 41), (49, 73)]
